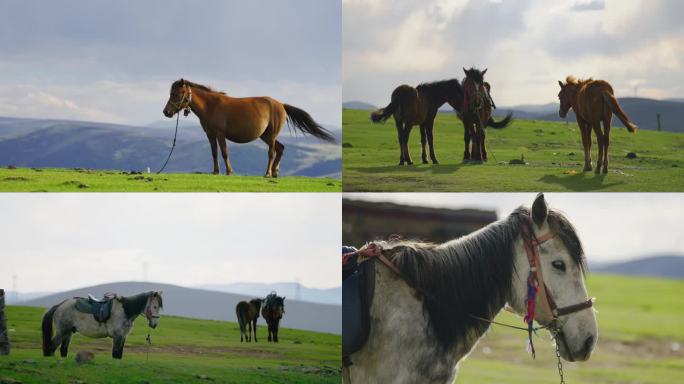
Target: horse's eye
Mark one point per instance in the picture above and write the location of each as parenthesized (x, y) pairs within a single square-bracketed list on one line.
[(559, 265)]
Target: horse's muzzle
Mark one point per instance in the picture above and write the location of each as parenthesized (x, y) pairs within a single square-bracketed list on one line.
[(167, 113)]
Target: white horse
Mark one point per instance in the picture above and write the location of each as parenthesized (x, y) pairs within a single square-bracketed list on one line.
[(67, 319), (434, 302)]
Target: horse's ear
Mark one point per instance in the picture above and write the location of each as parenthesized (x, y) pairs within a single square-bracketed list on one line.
[(485, 71), (539, 210), (465, 71), (283, 298), (560, 83)]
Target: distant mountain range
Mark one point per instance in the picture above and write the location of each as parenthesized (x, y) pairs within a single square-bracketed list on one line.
[(208, 304), (294, 291), (657, 266), (640, 110), (78, 144)]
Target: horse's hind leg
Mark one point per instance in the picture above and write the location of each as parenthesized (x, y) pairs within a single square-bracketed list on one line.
[(270, 140), (407, 134), (483, 147), (606, 143), (423, 142), (224, 152), (600, 140), (585, 130), (64, 348), (466, 142), (55, 343), (400, 138), (429, 130), (275, 170)]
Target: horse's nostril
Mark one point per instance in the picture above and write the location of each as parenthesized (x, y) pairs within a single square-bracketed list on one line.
[(588, 344)]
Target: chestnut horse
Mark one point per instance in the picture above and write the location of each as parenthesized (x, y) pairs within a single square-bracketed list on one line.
[(240, 120), (593, 102), (477, 114)]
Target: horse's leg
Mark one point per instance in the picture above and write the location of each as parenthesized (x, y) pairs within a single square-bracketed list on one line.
[(55, 342), (400, 138), (585, 130), (275, 333), (249, 331), (483, 147), (64, 349), (407, 134), (224, 152), (423, 142), (269, 332), (430, 129), (269, 139), (214, 152), (117, 346), (600, 141), (255, 327), (466, 141), (279, 148), (606, 143)]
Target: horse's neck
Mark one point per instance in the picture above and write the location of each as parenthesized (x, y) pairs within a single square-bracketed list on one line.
[(201, 99)]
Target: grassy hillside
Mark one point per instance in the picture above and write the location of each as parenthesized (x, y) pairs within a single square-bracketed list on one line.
[(639, 319), (183, 351), (553, 151), (66, 180)]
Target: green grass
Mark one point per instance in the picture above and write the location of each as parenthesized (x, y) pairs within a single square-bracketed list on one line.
[(554, 152), (67, 180), (638, 319), (183, 351)]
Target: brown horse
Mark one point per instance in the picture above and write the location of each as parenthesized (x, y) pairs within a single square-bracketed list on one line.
[(476, 114), (272, 312), (593, 102), (247, 315), (418, 106), (240, 120)]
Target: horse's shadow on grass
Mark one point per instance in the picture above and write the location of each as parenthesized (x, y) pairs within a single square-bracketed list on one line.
[(416, 168), (580, 181)]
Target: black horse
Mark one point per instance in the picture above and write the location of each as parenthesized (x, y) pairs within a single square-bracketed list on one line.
[(272, 312)]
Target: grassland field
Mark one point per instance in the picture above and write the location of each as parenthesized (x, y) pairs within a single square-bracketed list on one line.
[(89, 180), (182, 351), (553, 153)]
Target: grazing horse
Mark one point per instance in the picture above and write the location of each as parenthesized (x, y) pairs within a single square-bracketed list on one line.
[(240, 120), (433, 302), (418, 106), (272, 312), (111, 317), (247, 315), (476, 114), (593, 102)]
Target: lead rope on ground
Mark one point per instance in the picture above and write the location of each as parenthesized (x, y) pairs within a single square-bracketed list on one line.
[(172, 146), (149, 344)]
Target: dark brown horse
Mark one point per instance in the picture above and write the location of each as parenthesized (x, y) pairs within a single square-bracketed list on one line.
[(593, 102), (240, 120), (418, 106), (477, 114), (247, 315), (272, 312)]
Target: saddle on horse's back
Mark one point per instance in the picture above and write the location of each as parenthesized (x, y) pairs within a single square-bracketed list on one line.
[(357, 296), (101, 309)]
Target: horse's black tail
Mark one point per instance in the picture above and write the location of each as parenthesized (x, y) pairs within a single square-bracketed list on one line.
[(382, 114), (500, 124), (47, 331), (301, 120)]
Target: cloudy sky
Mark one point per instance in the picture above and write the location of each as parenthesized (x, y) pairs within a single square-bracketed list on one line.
[(64, 241), (114, 61), (527, 45), (612, 226)]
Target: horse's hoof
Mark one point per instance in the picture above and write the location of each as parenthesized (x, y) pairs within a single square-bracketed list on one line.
[(216, 172), (435, 162), (409, 162), (475, 161), (588, 168), (605, 171), (426, 162)]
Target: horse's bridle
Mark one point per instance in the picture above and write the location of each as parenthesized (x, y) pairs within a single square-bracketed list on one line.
[(185, 101), (148, 310), (550, 311)]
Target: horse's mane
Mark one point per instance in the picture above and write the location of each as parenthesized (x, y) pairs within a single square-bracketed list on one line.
[(572, 80), (181, 82), (441, 88), (471, 276), (256, 302), (134, 305)]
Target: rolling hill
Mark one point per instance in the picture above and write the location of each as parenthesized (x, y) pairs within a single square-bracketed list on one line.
[(75, 144), (657, 266), (210, 305), (331, 296)]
